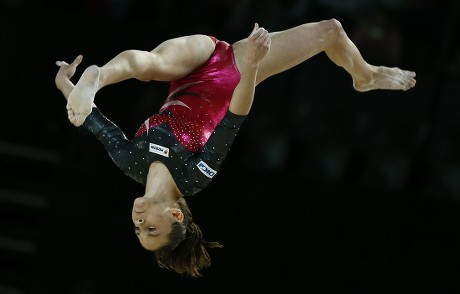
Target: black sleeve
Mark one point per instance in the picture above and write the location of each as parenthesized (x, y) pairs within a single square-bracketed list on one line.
[(111, 136), (201, 168)]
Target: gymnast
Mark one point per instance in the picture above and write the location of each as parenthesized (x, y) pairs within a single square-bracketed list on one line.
[(178, 151)]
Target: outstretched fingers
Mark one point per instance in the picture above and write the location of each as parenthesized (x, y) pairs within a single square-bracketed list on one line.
[(68, 70)]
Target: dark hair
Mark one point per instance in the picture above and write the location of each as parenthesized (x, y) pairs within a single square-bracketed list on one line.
[(187, 251)]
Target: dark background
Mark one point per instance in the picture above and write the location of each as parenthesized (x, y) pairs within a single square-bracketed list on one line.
[(326, 189)]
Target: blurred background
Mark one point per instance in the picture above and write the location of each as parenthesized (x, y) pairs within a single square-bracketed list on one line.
[(326, 189)]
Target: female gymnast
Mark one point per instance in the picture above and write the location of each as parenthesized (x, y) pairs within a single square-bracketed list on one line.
[(178, 151)]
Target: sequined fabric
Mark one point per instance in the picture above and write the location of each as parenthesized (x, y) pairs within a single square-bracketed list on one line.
[(198, 102), (192, 133)]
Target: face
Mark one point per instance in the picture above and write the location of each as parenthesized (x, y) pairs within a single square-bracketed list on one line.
[(152, 222)]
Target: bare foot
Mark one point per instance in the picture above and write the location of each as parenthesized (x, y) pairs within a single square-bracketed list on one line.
[(80, 102), (387, 78)]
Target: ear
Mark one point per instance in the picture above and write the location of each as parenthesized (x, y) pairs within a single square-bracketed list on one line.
[(177, 214)]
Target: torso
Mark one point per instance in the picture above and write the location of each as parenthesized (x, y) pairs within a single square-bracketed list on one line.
[(199, 101), (187, 118)]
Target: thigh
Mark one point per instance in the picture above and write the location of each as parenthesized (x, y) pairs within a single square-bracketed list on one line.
[(179, 56), (294, 46)]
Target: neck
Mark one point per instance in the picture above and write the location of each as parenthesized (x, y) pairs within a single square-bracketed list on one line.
[(160, 184)]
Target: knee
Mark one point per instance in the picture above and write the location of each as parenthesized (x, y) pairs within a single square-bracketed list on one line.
[(332, 33), (334, 27), (138, 63)]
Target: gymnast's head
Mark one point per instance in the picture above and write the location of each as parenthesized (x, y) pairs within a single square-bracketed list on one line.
[(167, 229)]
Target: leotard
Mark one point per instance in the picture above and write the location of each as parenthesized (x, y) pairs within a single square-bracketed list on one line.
[(192, 133)]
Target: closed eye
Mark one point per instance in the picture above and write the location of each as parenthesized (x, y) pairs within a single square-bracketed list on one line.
[(151, 231)]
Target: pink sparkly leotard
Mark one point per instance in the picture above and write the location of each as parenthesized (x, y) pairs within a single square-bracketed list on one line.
[(192, 133), (199, 101)]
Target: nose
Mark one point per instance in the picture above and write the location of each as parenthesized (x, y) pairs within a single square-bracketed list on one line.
[(140, 204), (139, 221)]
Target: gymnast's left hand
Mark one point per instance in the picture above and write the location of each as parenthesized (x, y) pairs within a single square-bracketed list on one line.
[(66, 71)]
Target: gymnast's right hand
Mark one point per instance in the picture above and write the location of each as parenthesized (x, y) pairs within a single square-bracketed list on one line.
[(259, 42)]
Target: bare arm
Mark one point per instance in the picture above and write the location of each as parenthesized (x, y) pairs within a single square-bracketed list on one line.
[(248, 55)]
